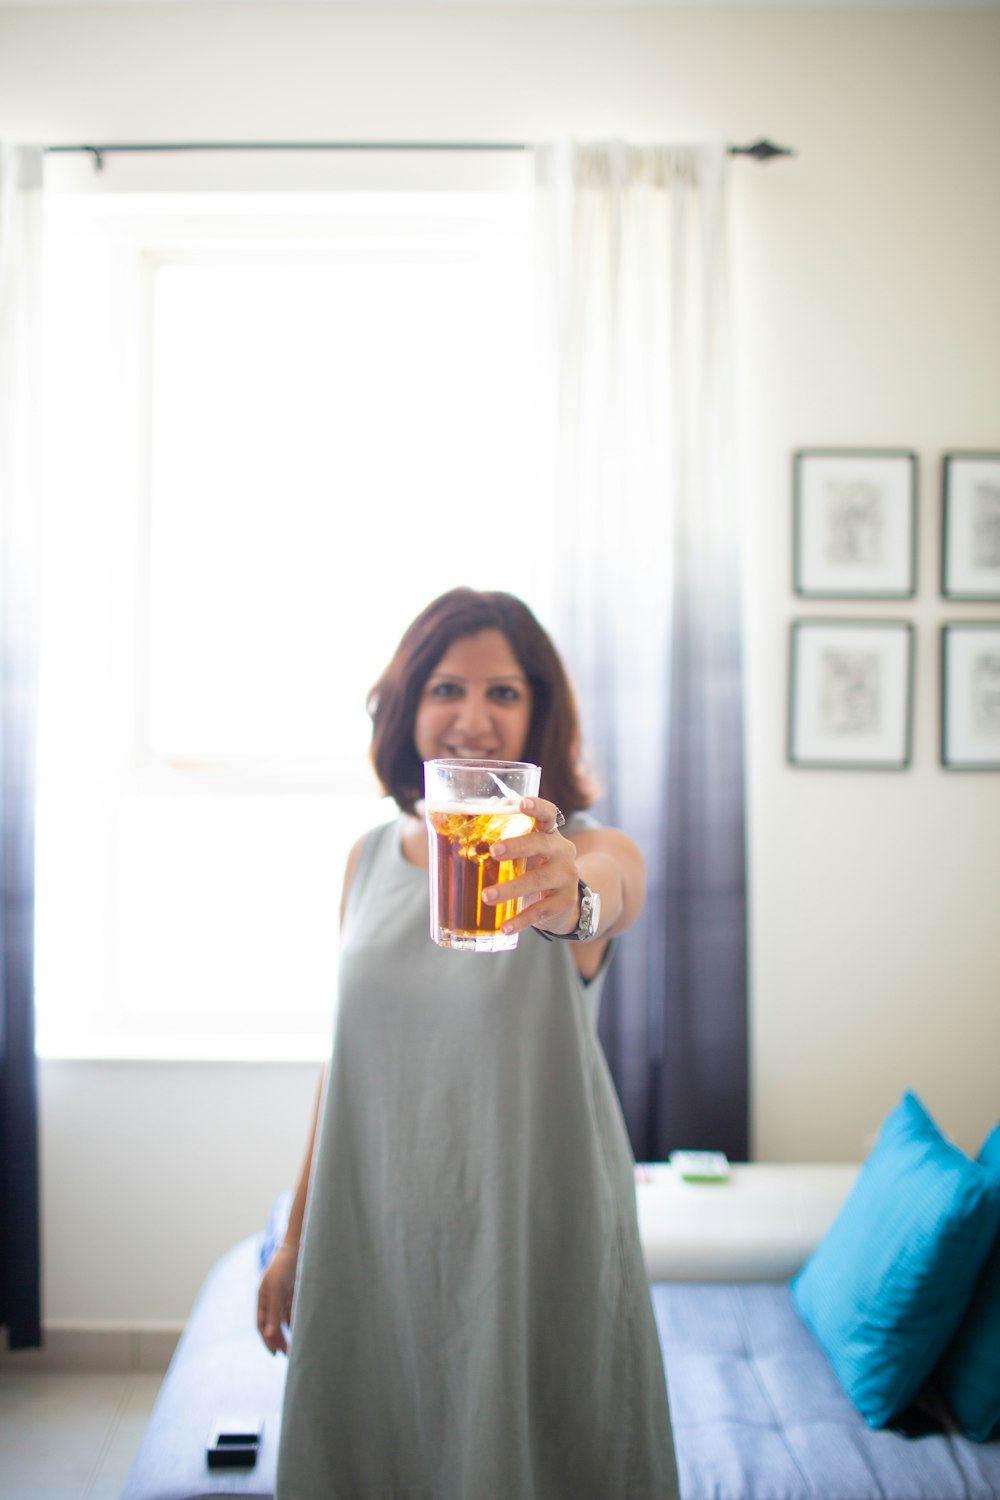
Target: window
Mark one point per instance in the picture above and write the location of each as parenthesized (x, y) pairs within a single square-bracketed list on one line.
[(278, 426)]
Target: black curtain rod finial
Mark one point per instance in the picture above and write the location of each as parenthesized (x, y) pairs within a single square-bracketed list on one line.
[(761, 150)]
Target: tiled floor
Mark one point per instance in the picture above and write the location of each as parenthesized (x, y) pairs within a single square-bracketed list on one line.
[(71, 1435)]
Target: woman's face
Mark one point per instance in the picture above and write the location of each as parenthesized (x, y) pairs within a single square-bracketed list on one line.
[(476, 703)]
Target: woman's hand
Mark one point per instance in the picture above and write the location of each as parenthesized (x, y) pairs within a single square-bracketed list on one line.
[(274, 1298), (550, 885)]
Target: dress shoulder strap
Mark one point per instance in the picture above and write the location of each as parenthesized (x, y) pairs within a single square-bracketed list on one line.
[(373, 843)]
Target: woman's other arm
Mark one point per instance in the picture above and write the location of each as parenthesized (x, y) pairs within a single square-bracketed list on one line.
[(277, 1285)]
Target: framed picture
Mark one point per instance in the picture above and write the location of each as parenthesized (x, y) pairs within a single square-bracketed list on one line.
[(970, 696), (855, 524), (970, 548), (850, 694)]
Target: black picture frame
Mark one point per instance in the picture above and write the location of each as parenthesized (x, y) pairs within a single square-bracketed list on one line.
[(850, 694), (854, 533), (970, 695), (970, 526)]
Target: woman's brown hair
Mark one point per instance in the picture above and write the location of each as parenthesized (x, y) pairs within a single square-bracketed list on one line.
[(553, 740)]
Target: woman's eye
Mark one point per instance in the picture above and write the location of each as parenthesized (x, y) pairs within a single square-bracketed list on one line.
[(444, 690), (504, 693)]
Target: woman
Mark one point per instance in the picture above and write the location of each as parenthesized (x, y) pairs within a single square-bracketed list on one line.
[(471, 1317)]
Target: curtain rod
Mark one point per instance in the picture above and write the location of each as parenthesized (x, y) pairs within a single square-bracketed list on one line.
[(760, 150)]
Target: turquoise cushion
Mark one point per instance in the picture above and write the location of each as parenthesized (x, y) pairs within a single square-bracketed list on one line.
[(969, 1375), (886, 1287)]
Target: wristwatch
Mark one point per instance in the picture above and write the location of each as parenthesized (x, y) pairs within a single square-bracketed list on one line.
[(590, 916)]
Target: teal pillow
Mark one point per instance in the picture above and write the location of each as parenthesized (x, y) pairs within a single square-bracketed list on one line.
[(969, 1375), (886, 1287)]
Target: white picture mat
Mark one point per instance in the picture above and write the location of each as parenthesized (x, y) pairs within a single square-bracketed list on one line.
[(851, 694), (854, 524), (972, 695), (972, 527)]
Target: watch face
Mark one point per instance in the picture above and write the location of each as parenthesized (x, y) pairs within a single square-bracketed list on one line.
[(590, 912)]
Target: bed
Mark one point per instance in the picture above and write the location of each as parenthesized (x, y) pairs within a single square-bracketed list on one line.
[(757, 1411)]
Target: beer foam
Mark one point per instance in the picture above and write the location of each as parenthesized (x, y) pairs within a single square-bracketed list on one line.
[(475, 808)]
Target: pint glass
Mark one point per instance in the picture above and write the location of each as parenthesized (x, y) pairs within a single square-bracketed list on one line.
[(470, 805)]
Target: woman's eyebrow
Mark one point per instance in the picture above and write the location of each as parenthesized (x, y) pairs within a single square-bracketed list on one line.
[(457, 677)]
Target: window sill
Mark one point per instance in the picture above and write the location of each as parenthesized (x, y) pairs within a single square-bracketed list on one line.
[(183, 1048)]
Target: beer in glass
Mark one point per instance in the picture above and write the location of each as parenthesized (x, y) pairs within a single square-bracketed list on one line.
[(469, 806)]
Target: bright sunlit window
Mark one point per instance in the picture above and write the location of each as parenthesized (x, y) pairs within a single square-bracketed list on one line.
[(277, 428)]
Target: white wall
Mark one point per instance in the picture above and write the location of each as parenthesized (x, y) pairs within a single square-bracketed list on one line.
[(871, 315), (151, 1170)]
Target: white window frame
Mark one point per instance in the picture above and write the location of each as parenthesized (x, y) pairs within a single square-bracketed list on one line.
[(143, 239)]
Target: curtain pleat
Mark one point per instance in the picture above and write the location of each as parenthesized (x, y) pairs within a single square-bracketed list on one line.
[(637, 393), (20, 362)]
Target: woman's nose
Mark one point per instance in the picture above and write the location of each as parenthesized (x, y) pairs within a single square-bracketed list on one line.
[(474, 714)]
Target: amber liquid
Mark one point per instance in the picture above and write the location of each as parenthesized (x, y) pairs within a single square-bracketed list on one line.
[(462, 868)]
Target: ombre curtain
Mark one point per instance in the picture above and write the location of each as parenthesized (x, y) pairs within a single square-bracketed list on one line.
[(20, 457), (637, 399)]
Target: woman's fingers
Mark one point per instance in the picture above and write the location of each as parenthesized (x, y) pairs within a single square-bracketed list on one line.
[(548, 887), (550, 866), (541, 843), (273, 1315), (268, 1326), (548, 915), (548, 818), (549, 902), (534, 885)]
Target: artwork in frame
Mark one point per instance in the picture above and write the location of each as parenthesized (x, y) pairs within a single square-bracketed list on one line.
[(855, 523), (850, 702), (970, 696), (970, 545)]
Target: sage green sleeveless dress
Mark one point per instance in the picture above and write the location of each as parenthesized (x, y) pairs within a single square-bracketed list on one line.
[(472, 1319)]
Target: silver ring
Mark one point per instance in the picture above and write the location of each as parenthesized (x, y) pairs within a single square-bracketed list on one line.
[(560, 821)]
